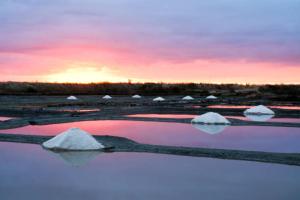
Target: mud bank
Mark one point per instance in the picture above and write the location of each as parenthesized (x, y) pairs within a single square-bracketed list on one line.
[(120, 144)]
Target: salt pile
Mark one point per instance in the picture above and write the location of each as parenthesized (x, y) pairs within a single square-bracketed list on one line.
[(107, 97), (72, 98), (136, 96), (159, 99), (187, 98), (210, 118), (259, 110), (211, 97), (73, 139)]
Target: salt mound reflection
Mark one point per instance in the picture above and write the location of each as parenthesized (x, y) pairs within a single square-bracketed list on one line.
[(210, 128), (77, 158), (259, 118)]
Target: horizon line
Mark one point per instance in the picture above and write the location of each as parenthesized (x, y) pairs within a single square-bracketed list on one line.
[(150, 82)]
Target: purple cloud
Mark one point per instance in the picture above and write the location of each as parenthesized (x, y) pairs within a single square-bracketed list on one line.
[(171, 30)]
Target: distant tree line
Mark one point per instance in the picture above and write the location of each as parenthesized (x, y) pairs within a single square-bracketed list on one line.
[(37, 88)]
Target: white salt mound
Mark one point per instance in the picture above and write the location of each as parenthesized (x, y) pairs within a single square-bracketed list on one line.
[(107, 97), (187, 98), (259, 110), (136, 96), (73, 139), (159, 99), (72, 98), (210, 128), (210, 118), (211, 97)]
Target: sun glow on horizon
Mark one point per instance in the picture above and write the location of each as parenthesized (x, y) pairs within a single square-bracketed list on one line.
[(85, 73)]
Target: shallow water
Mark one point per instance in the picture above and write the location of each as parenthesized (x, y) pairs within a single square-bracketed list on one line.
[(286, 107), (245, 107), (257, 138), (266, 118), (32, 173), (176, 116), (73, 109), (5, 118), (229, 106)]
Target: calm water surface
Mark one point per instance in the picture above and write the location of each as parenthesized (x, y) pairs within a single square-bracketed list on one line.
[(265, 118), (5, 118), (179, 116), (73, 109), (269, 118), (29, 172), (258, 138), (245, 107)]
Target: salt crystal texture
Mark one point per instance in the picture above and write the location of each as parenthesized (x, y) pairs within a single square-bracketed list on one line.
[(211, 97), (72, 98), (107, 97), (136, 96), (73, 139), (187, 98), (259, 110), (159, 99), (210, 118)]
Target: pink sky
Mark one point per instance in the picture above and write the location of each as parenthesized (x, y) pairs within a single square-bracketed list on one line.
[(94, 41)]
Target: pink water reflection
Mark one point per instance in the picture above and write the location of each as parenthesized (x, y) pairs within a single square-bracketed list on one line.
[(228, 106), (5, 118), (176, 116), (286, 107), (247, 106), (275, 139), (288, 120), (185, 116)]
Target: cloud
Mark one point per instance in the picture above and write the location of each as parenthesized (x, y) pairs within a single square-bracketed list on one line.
[(44, 34), (169, 30)]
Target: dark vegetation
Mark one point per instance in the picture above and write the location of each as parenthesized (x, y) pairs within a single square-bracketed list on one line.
[(272, 92)]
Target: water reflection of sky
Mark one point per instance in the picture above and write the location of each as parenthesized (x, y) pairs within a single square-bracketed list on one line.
[(269, 118), (259, 118), (73, 109), (30, 172), (176, 116), (247, 106), (259, 138), (5, 118), (266, 118)]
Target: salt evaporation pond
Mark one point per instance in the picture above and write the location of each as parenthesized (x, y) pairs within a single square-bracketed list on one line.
[(31, 172), (176, 116), (247, 106), (270, 118), (256, 138), (73, 109), (187, 116)]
